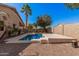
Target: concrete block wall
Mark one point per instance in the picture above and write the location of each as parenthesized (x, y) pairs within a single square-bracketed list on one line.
[(71, 30), (58, 29)]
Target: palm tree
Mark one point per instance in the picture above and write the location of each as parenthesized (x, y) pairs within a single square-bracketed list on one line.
[(27, 11), (72, 5)]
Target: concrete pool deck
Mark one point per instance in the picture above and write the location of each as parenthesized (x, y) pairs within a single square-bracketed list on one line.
[(46, 36), (16, 39)]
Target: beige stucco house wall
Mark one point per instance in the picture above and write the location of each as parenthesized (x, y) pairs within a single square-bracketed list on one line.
[(68, 30), (10, 16)]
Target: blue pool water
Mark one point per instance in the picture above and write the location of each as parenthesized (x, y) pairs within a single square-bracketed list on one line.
[(32, 36)]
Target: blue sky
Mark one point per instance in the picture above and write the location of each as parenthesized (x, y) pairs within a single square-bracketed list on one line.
[(59, 13)]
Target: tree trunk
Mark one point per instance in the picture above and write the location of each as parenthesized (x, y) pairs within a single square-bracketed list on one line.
[(26, 21), (45, 29)]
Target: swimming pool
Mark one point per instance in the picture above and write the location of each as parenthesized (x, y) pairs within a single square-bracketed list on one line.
[(32, 36)]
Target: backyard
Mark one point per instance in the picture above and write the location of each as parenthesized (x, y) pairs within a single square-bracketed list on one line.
[(32, 33)]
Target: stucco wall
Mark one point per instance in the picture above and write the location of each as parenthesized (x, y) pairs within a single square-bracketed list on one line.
[(72, 30), (58, 29), (69, 30), (12, 17)]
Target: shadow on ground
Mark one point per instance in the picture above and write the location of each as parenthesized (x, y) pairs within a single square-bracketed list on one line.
[(12, 49)]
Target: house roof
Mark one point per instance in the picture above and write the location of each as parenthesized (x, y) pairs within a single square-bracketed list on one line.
[(14, 9)]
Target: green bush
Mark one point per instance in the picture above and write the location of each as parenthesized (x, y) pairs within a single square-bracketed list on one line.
[(14, 32)]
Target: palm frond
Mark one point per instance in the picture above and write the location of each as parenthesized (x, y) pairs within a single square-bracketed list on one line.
[(72, 5), (28, 9)]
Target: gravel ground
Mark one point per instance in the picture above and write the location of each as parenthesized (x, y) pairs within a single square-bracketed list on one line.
[(50, 50), (38, 49), (12, 49)]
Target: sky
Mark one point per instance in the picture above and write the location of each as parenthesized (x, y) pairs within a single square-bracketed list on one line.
[(60, 14)]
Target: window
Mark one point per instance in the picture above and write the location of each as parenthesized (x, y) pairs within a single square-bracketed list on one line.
[(1, 25), (4, 17), (14, 25)]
